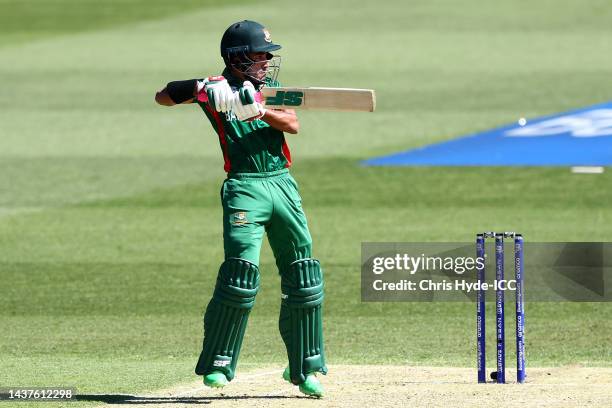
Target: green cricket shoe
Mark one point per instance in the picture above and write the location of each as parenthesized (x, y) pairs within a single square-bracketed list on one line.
[(311, 386), (216, 379)]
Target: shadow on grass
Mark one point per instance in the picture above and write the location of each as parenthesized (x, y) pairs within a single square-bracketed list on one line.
[(135, 400)]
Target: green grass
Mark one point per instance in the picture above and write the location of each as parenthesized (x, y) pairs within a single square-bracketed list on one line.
[(110, 227), (26, 20)]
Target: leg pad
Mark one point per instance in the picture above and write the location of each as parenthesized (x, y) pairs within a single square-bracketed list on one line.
[(227, 315), (300, 321)]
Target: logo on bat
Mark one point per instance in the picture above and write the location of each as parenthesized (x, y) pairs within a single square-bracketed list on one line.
[(287, 98)]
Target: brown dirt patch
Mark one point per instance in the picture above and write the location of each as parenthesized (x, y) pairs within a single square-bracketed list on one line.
[(396, 386)]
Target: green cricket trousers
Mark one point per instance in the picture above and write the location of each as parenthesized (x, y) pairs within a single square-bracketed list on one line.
[(254, 202)]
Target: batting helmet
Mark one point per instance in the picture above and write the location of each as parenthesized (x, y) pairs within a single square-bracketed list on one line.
[(244, 37)]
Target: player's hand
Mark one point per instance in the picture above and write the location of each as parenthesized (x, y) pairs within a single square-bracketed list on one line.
[(219, 93), (246, 108)]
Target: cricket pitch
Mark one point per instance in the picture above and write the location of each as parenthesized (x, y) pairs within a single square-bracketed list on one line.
[(393, 386)]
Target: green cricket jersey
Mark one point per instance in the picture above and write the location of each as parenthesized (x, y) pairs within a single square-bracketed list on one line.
[(248, 147)]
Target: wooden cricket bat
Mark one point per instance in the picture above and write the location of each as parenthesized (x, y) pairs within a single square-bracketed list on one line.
[(334, 99)]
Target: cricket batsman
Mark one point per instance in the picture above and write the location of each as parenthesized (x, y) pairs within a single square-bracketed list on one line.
[(259, 194)]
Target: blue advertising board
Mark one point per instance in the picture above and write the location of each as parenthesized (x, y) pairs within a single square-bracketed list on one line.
[(578, 138)]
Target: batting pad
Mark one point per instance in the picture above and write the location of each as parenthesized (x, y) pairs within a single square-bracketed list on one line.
[(226, 317), (300, 321)]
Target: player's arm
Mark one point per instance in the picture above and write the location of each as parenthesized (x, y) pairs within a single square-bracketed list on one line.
[(247, 108), (178, 92), (214, 90), (162, 98), (284, 120)]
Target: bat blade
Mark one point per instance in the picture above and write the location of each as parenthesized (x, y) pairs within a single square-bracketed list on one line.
[(314, 98)]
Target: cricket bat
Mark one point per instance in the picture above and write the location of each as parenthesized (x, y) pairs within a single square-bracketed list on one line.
[(334, 99)]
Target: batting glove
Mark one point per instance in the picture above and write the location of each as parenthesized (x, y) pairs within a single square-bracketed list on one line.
[(246, 108), (219, 93)]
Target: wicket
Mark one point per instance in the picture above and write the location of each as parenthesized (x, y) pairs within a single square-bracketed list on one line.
[(500, 374)]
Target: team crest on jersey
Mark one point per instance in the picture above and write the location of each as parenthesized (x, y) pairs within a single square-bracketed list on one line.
[(239, 218), (267, 35)]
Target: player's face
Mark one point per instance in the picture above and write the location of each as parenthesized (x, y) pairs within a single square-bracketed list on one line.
[(256, 66), (260, 64)]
